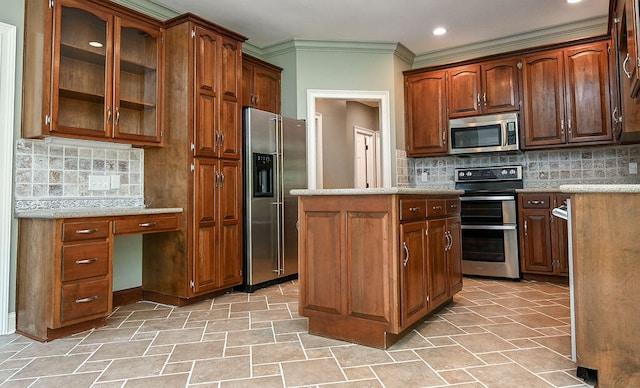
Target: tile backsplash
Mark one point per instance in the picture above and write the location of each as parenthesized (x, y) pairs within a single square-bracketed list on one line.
[(49, 175), (541, 169)]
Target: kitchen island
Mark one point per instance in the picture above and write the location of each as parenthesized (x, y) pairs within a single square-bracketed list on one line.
[(605, 237), (373, 263)]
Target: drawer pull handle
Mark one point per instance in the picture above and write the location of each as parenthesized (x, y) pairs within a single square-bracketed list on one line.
[(87, 261), (87, 231), (536, 202), (147, 224), (437, 207), (453, 206), (414, 209), (406, 251), (87, 300)]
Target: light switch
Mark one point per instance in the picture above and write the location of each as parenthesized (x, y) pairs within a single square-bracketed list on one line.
[(633, 168), (424, 176), (115, 181)]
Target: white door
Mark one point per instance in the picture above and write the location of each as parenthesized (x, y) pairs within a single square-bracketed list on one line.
[(365, 158)]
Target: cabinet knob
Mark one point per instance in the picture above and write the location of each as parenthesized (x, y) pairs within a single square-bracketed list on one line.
[(414, 209)]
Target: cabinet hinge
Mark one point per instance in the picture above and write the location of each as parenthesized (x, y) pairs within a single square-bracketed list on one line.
[(47, 121), (616, 20), (193, 167), (519, 65), (192, 284), (551, 219), (51, 4), (426, 232), (162, 40), (193, 33), (193, 147), (427, 298)]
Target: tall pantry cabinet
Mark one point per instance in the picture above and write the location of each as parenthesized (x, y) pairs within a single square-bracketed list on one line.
[(199, 168)]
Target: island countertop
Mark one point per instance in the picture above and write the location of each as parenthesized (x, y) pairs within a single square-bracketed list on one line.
[(377, 191), (601, 188)]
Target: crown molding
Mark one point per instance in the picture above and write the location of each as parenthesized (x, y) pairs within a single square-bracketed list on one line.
[(150, 8), (583, 29), (299, 45)]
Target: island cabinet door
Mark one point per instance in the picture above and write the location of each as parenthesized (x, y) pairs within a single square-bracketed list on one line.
[(414, 272)]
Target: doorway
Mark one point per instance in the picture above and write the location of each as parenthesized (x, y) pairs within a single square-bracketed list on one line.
[(384, 164)]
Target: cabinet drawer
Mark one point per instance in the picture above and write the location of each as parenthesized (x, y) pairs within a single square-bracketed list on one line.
[(85, 299), (453, 206), (87, 230), (85, 261), (536, 201), (146, 224), (436, 207), (413, 209)]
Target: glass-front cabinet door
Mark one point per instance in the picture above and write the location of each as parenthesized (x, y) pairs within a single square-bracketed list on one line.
[(82, 86), (106, 75), (137, 73)]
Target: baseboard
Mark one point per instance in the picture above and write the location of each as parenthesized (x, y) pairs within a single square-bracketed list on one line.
[(128, 296)]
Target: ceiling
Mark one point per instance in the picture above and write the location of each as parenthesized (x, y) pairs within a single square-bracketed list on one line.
[(410, 22)]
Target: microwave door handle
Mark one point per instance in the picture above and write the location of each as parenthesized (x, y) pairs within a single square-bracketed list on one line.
[(504, 134)]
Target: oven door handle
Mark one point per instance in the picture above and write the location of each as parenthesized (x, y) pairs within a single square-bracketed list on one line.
[(488, 227), (489, 198)]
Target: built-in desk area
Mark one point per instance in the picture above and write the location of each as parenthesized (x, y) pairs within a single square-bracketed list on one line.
[(65, 265)]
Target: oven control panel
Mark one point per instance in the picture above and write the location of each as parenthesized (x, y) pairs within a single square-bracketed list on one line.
[(483, 174)]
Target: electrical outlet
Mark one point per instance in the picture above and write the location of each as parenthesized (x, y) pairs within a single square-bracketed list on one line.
[(99, 183), (633, 168), (424, 176), (115, 181)]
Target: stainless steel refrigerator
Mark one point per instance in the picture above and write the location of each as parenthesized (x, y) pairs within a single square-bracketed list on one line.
[(275, 161)]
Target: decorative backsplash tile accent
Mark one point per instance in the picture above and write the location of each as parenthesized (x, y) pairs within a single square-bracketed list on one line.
[(541, 169), (52, 176)]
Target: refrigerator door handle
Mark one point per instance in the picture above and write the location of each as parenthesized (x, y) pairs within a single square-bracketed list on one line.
[(278, 189), (282, 193)]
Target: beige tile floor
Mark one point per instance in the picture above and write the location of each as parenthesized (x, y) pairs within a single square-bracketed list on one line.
[(494, 334)]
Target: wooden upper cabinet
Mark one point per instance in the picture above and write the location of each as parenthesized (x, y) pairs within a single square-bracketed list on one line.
[(543, 85), (566, 97), (217, 86), (490, 87), (230, 144), (206, 135), (98, 73), (426, 118), (625, 81), (261, 84), (500, 89), (588, 93), (464, 91)]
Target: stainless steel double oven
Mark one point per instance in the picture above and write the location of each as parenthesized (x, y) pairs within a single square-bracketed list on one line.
[(489, 224)]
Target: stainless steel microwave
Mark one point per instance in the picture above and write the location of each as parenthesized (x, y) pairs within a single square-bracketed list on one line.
[(489, 133)]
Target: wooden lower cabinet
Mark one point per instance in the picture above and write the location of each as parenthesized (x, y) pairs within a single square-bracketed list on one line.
[(366, 264), (543, 237), (64, 275)]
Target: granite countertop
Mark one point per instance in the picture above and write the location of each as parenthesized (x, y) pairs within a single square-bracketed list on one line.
[(601, 188), (538, 190), (94, 212), (377, 191)]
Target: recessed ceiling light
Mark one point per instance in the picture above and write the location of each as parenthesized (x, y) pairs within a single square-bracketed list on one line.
[(95, 44), (573, 1), (440, 31)]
